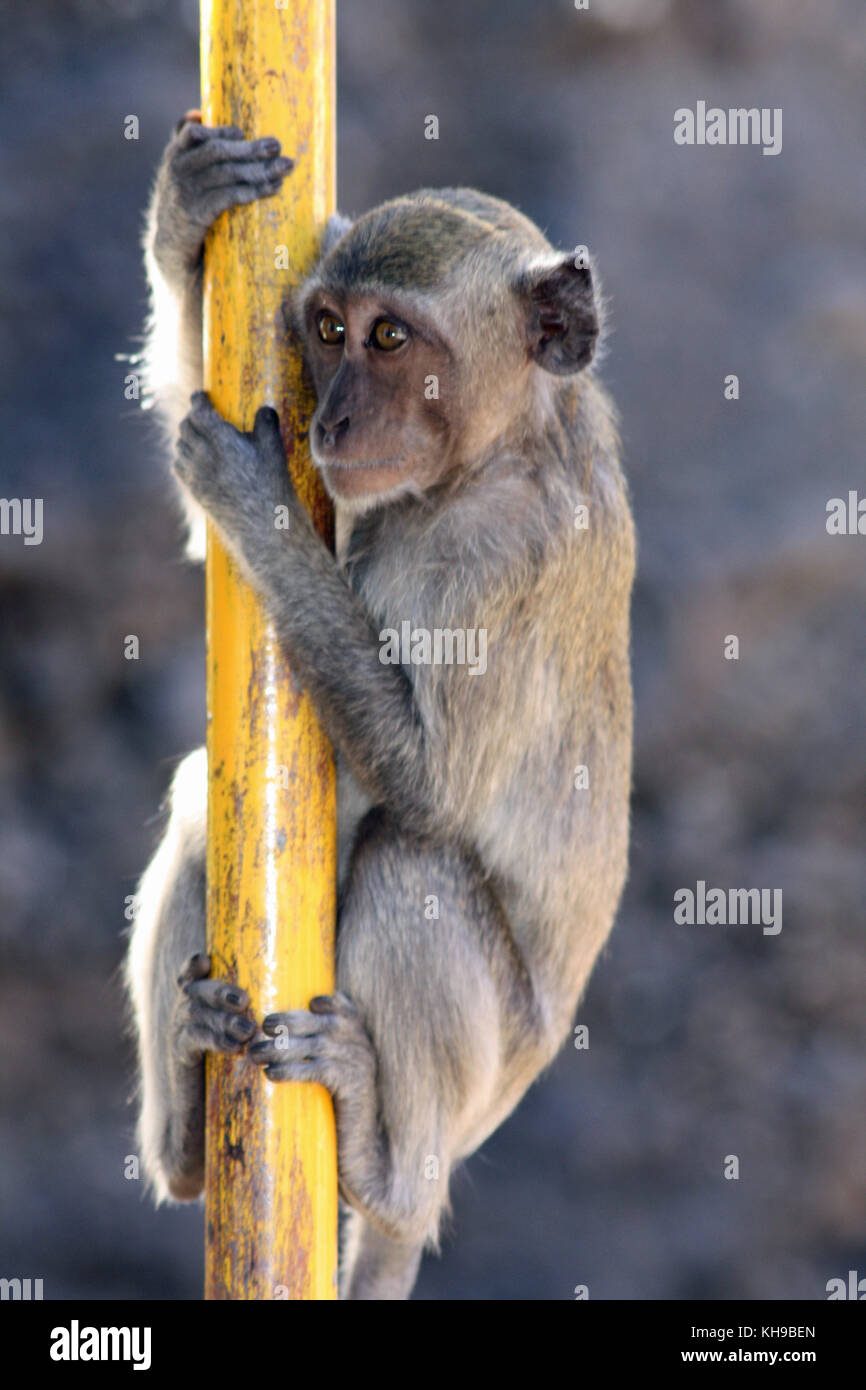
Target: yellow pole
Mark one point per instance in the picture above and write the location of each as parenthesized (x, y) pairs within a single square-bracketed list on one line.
[(271, 1174)]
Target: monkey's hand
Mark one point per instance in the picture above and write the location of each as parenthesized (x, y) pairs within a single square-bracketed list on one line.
[(240, 479), (209, 1015), (204, 171), (367, 707)]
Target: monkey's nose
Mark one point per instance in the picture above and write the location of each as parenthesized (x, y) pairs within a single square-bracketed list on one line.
[(329, 436)]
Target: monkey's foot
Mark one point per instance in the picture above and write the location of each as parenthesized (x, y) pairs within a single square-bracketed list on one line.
[(327, 1043), (209, 1015)]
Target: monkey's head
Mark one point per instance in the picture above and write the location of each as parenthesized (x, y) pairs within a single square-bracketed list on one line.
[(429, 329)]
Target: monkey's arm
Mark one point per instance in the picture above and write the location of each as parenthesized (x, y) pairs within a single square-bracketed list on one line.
[(203, 172), (366, 706)]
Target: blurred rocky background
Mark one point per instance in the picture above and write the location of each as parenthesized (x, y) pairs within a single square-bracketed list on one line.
[(704, 1041)]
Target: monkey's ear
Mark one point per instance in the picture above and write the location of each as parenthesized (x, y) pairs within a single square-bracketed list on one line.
[(561, 316), (336, 227)]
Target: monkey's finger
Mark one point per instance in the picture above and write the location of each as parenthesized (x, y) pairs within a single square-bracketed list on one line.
[(240, 1028), (214, 1030), (188, 454), (203, 153), (266, 433), (203, 424), (256, 172), (196, 968), (268, 1052), (218, 994), (337, 1003), (203, 418), (297, 1023), (189, 438), (257, 1051), (192, 115), (233, 195), (190, 133), (263, 1052), (295, 1071)]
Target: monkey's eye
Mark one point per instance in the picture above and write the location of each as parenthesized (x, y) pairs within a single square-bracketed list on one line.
[(388, 335), (331, 329)]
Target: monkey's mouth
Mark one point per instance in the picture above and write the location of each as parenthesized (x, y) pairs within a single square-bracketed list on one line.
[(362, 482), (352, 465)]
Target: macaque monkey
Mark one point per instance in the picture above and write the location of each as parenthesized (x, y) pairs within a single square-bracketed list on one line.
[(472, 457)]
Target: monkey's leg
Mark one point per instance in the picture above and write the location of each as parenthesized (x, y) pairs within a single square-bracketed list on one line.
[(179, 1013), (373, 1266), (411, 1046)]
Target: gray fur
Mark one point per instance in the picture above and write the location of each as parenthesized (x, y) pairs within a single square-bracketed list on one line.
[(454, 787)]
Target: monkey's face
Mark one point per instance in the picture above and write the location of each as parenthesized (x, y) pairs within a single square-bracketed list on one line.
[(382, 375)]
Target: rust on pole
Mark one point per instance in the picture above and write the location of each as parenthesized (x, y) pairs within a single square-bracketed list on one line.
[(271, 1174)]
